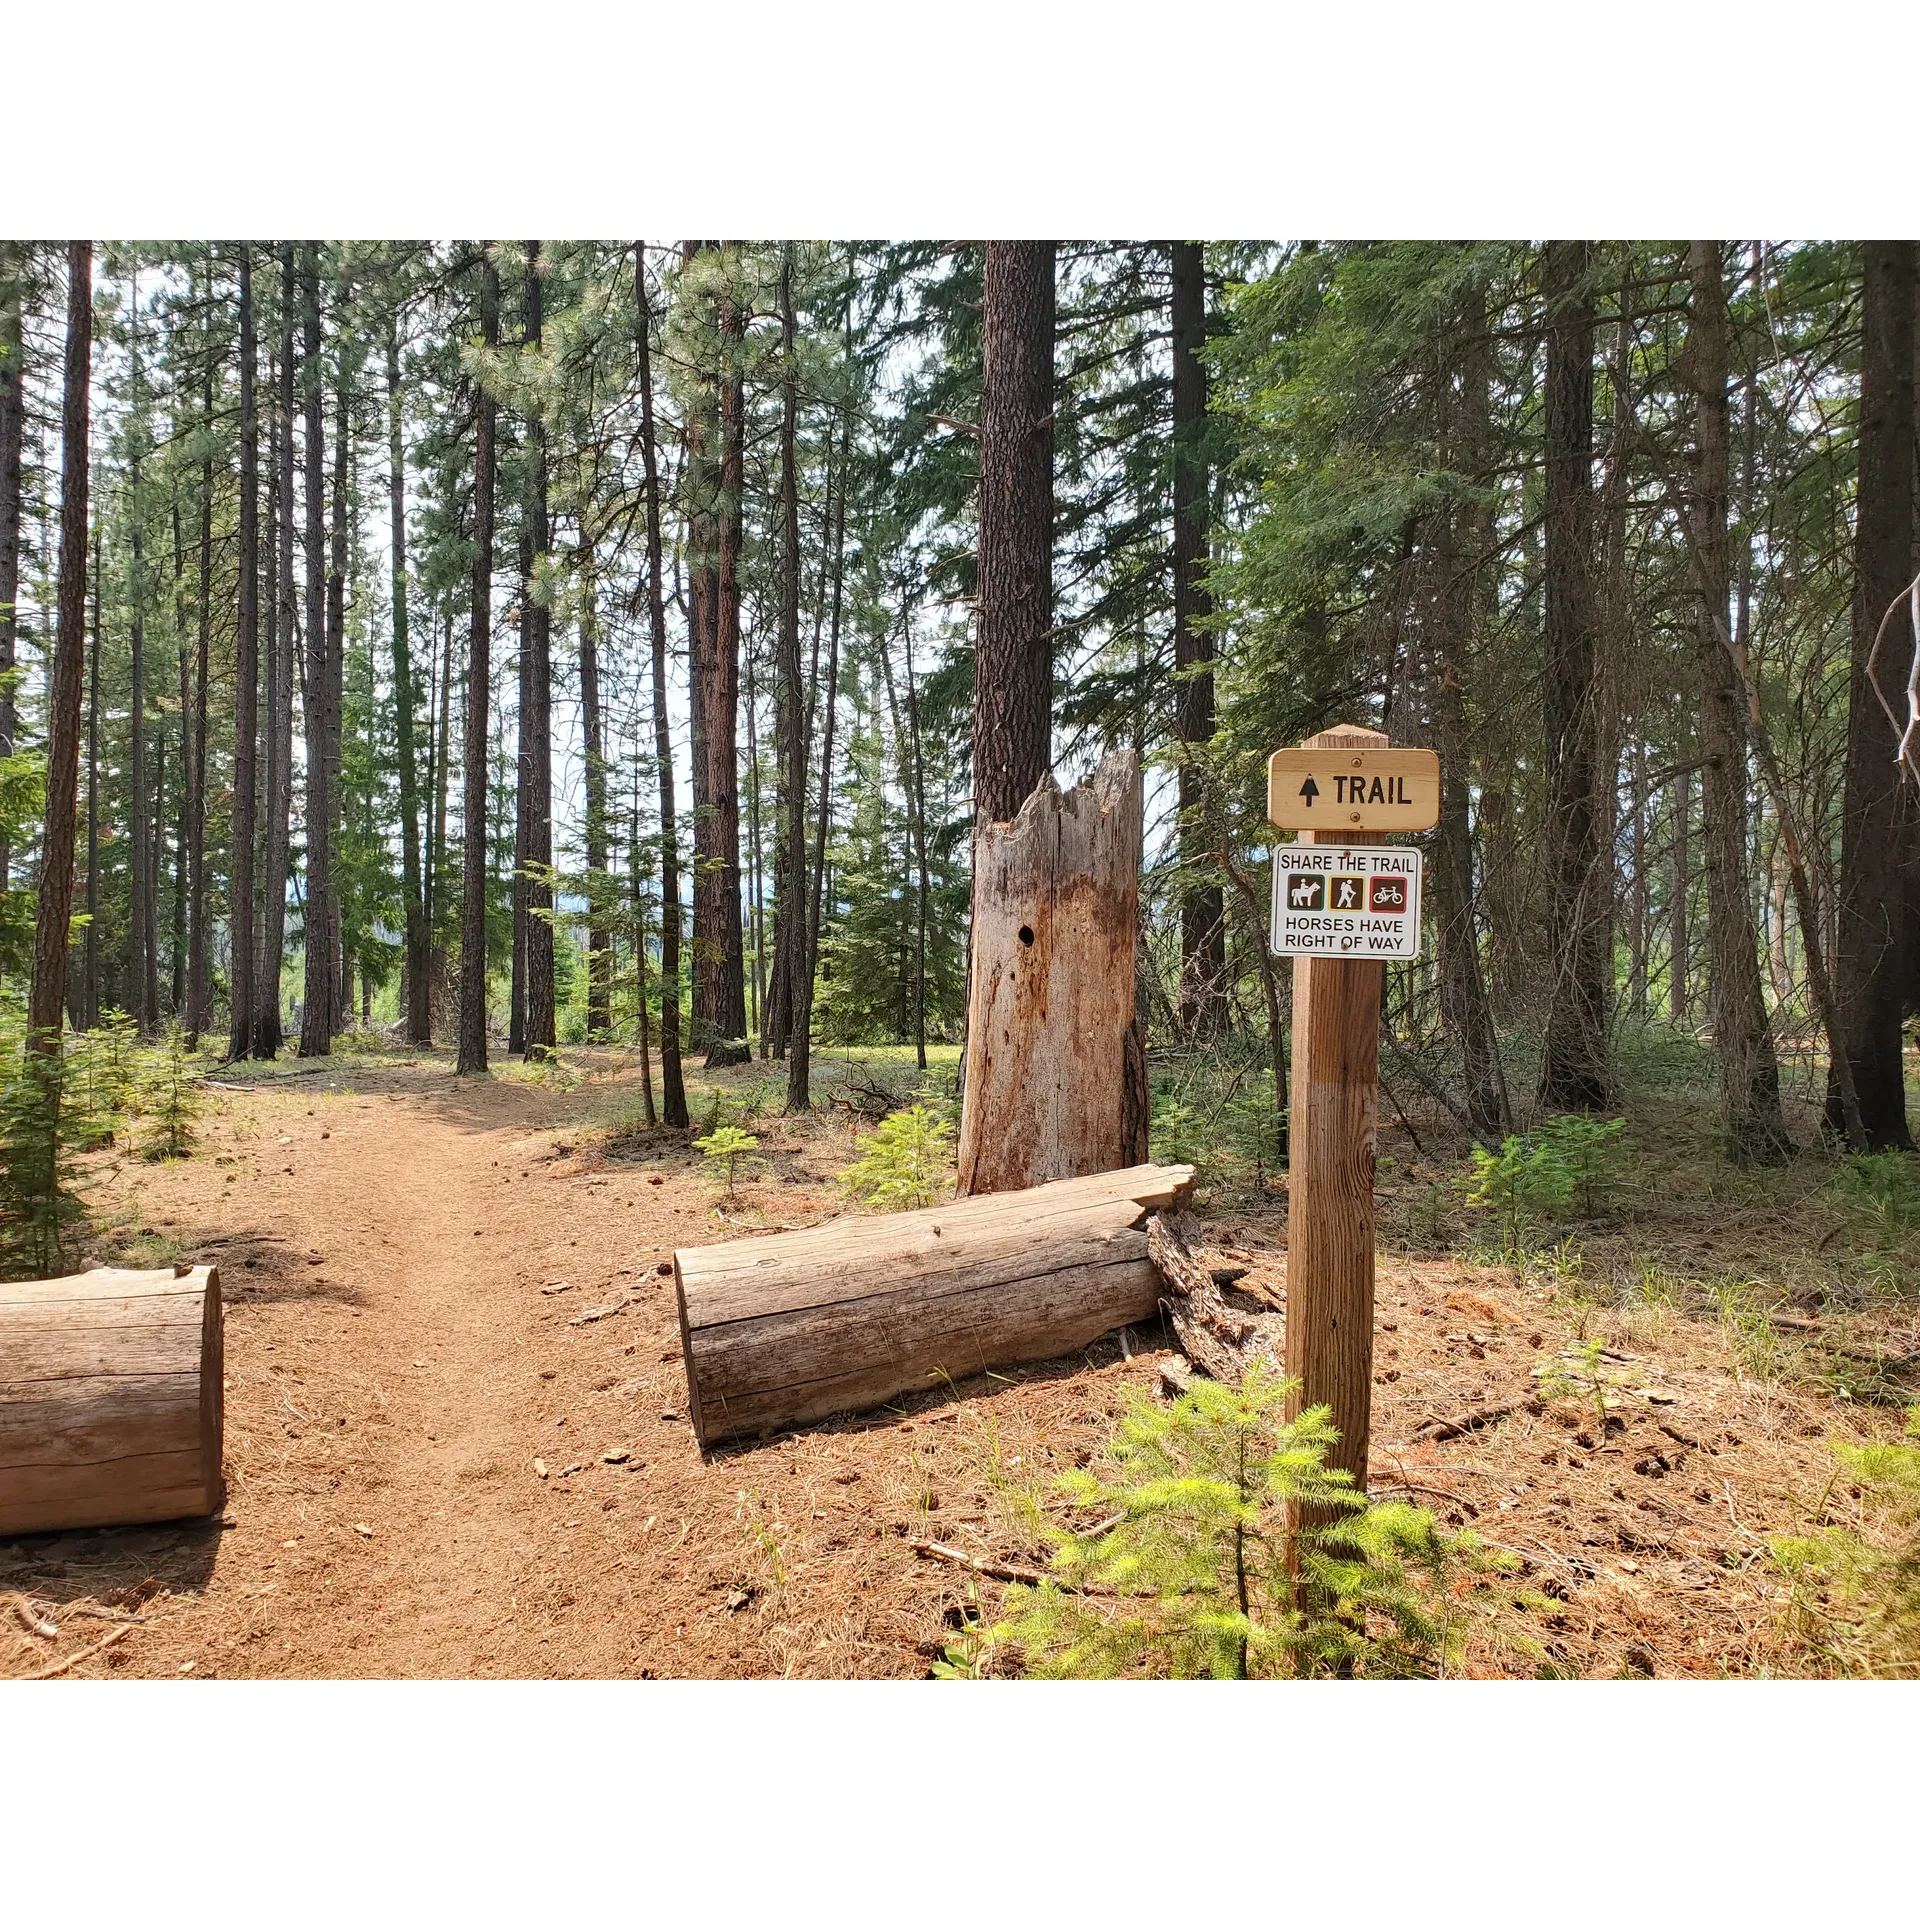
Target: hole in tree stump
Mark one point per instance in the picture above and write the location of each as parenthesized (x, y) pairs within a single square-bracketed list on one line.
[(1026, 936)]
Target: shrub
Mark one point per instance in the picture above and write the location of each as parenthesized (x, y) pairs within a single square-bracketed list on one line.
[(903, 1162)]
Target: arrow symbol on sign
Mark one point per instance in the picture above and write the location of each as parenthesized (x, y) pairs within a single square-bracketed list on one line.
[(1310, 791)]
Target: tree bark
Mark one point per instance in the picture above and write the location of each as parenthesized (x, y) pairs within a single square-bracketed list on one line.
[(321, 980), (47, 991), (13, 431), (278, 836), (537, 725), (673, 1095), (790, 931), (1013, 652), (90, 1015), (473, 905), (1749, 1071), (1056, 923), (800, 1040), (246, 691), (1203, 923), (1877, 814), (143, 963), (341, 1010), (1574, 1071), (419, 1011), (198, 1006), (592, 722)]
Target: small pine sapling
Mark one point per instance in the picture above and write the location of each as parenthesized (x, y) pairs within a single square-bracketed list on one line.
[(728, 1149), (173, 1100), (39, 1200), (1189, 1575), (906, 1161)]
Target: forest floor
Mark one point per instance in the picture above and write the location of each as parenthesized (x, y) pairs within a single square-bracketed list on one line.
[(457, 1440)]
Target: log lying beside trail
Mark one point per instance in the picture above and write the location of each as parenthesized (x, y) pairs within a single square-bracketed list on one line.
[(840, 1318), (110, 1399)]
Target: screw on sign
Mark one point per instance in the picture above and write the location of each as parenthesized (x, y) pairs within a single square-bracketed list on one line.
[(1343, 901)]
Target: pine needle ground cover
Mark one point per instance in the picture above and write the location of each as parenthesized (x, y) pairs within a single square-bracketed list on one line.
[(434, 1285)]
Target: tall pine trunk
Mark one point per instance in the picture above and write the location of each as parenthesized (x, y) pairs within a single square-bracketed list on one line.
[(419, 978), (1877, 815), (143, 960), (790, 929), (1013, 655), (13, 432), (1749, 1072), (1466, 554), (194, 849), (1574, 1071), (1203, 924), (321, 976), (537, 725), (673, 1096), (599, 896), (473, 901), (277, 836), (47, 992), (341, 1009), (246, 692), (91, 998)]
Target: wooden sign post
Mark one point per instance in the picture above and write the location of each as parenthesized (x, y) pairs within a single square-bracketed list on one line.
[(1356, 777)]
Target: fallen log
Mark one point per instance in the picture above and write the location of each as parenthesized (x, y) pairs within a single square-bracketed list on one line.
[(1220, 1341), (110, 1399), (841, 1318)]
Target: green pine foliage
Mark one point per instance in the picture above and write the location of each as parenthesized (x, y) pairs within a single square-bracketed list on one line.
[(906, 1161), (1189, 1577), (40, 1198), (1565, 1166), (728, 1150), (173, 1099), (1855, 1587)]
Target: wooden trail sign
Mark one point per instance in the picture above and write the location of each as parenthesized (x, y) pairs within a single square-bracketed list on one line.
[(1336, 1087), (1353, 789)]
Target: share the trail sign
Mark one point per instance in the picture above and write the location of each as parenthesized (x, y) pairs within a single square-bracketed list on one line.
[(1354, 789), (1347, 903)]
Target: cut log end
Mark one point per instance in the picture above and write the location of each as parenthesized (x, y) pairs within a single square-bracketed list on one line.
[(111, 1399)]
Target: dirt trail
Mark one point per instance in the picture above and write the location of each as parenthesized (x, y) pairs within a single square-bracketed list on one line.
[(418, 1287)]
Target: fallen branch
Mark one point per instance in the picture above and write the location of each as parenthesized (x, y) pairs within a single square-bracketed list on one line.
[(993, 1569), (85, 1653), (32, 1621), (1466, 1423)]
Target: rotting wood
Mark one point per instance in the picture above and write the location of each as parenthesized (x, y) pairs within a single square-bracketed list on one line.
[(1050, 1000), (782, 1329), (110, 1399), (1000, 1569), (1219, 1340)]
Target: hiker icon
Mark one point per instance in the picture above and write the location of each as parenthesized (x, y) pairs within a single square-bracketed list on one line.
[(1347, 893)]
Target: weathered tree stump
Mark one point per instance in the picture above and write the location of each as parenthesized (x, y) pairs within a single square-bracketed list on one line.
[(110, 1399), (1050, 1002), (839, 1318)]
